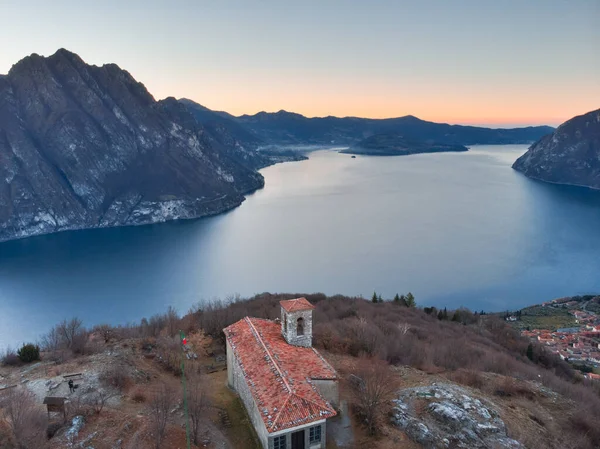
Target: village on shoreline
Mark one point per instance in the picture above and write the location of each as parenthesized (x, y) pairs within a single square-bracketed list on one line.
[(569, 327)]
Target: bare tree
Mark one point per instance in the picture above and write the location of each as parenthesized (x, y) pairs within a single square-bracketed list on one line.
[(99, 399), (25, 418), (197, 402), (403, 328), (69, 329), (105, 331), (373, 386), (172, 321), (159, 408)]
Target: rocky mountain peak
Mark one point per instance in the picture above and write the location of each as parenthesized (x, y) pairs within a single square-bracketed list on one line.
[(570, 155), (86, 146)]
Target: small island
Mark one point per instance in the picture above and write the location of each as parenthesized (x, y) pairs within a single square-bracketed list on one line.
[(398, 145)]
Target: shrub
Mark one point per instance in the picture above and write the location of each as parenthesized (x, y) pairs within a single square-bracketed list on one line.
[(159, 411), (10, 358), (26, 421), (116, 377), (29, 353), (373, 386), (138, 396), (169, 354)]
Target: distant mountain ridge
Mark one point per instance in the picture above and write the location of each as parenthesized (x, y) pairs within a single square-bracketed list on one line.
[(290, 128), (83, 146), (570, 155)]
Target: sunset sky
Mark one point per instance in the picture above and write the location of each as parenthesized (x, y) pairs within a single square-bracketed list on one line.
[(488, 62)]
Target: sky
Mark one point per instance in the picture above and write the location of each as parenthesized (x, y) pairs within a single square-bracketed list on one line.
[(482, 62)]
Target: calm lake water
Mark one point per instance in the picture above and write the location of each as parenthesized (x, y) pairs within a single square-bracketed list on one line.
[(455, 229)]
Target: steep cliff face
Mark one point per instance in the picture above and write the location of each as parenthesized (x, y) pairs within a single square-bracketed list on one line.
[(570, 155), (84, 146)]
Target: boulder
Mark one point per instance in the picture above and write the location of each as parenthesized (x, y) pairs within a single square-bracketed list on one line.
[(444, 416)]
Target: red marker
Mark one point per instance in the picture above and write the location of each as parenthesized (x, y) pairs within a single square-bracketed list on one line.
[(184, 341)]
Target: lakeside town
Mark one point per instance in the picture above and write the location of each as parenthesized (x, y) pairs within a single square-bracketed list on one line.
[(569, 327)]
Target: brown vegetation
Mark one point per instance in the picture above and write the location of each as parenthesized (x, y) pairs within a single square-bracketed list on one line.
[(478, 351), (159, 407), (462, 347), (373, 386), (26, 421)]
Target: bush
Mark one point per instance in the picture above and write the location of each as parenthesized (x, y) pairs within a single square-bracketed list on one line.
[(10, 358), (116, 377), (373, 385), (169, 354), (138, 396), (29, 353), (26, 421)]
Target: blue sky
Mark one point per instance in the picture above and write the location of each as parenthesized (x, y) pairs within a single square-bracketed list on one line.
[(503, 62)]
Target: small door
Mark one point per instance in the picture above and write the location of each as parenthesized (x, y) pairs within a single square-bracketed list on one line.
[(298, 440)]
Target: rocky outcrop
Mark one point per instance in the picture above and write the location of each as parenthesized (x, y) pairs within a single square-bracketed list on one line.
[(447, 416), (570, 155), (398, 145), (84, 146)]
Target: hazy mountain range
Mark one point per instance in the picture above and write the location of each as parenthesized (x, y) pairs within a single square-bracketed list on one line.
[(288, 128)]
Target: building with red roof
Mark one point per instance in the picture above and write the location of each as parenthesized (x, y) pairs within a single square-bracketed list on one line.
[(287, 387)]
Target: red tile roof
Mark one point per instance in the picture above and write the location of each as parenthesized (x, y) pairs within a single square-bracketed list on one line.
[(295, 305), (279, 375)]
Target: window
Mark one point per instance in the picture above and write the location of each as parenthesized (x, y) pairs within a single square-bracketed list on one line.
[(315, 434), (300, 327), (285, 324), (279, 442)]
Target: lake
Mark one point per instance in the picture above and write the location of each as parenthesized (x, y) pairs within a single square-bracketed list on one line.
[(453, 228)]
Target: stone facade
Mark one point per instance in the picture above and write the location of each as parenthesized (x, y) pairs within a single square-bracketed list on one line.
[(260, 361), (297, 333), (237, 381)]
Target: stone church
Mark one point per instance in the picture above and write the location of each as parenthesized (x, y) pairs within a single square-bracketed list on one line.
[(287, 387)]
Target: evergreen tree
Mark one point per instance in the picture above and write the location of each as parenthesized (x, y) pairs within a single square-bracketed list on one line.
[(440, 315), (403, 301), (456, 317), (29, 353), (374, 297), (410, 300), (530, 352), (380, 298), (397, 299), (445, 314)]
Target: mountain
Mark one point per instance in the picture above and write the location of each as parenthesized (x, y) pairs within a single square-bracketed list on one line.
[(570, 155), (83, 146), (228, 136), (231, 136), (289, 128), (398, 145)]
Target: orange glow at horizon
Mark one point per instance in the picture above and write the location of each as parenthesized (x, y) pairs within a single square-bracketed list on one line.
[(508, 104)]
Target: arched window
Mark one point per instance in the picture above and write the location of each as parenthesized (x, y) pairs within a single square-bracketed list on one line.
[(300, 326)]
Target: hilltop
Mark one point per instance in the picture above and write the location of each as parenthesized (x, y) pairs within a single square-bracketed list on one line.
[(464, 377)]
